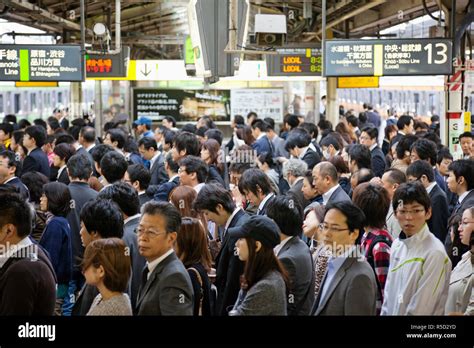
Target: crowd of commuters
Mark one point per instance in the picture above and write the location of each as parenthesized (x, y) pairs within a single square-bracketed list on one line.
[(370, 217)]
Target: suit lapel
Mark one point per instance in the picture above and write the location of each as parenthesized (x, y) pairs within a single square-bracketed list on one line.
[(287, 246), (334, 283)]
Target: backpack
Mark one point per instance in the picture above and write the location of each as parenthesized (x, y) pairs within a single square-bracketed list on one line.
[(370, 256)]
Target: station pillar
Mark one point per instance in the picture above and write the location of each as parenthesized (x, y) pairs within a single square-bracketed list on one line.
[(75, 108), (332, 109), (98, 108)]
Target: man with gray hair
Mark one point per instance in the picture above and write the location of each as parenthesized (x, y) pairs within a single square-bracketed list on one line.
[(325, 180), (294, 171)]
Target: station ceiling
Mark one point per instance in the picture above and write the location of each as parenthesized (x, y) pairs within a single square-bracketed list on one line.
[(158, 28)]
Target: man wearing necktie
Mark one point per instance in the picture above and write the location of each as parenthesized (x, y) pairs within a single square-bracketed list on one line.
[(256, 187)]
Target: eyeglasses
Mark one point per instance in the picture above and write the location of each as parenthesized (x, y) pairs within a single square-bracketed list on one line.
[(326, 228), (410, 212), (148, 233)]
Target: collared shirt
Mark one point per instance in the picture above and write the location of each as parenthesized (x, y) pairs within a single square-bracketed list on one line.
[(141, 193), (77, 146), (229, 220), (430, 187), (153, 159), (198, 187), (153, 264), (105, 186), (90, 147), (373, 146), (281, 245), (328, 194), (261, 135), (297, 180), (131, 218), (464, 195), (303, 152), (60, 171), (334, 264), (13, 249), (173, 177), (262, 203), (7, 181)]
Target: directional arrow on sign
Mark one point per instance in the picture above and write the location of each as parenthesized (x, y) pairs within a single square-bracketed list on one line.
[(146, 72), (147, 69)]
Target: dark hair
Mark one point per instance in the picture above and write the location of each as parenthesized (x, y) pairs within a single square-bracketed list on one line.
[(38, 133), (124, 195), (103, 216), (88, 134), (464, 168), (434, 138), (247, 135), (99, 151), (442, 154), (131, 146), (166, 210), (411, 192), (201, 131), (390, 128), (209, 122), (191, 243), (182, 197), (252, 114), (311, 128), (188, 142), (16, 211), (13, 160), (239, 119), (253, 177), (270, 123), (374, 201), (64, 139), (260, 124), (396, 176), (215, 134), (355, 217), (79, 167), (148, 143), (426, 150), (169, 136), (331, 139), (403, 121), (7, 128), (266, 157), (9, 119), (419, 168), (64, 151), (324, 124), (298, 137), (309, 177), (340, 164), (34, 181), (53, 123), (405, 145), (189, 127), (362, 117), (174, 167), (170, 119), (287, 213), (113, 166), (372, 132), (118, 135), (354, 121), (18, 135), (23, 123), (59, 198), (211, 195), (293, 121), (361, 155), (466, 135), (112, 255), (137, 172), (214, 152), (196, 165)]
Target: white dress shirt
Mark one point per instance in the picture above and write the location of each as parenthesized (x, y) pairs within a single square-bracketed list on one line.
[(153, 264)]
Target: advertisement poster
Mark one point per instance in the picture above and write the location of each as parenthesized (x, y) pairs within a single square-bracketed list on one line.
[(265, 102)]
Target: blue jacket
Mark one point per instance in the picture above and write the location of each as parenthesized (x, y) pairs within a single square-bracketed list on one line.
[(36, 161), (56, 239)]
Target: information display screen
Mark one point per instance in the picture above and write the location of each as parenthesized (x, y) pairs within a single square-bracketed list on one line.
[(295, 62)]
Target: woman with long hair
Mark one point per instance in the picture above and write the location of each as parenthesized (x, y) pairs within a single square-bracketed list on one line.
[(264, 282), (212, 155), (62, 153), (192, 249)]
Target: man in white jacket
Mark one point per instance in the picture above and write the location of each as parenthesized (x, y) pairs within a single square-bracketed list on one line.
[(418, 277)]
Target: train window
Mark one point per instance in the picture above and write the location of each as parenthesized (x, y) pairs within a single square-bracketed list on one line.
[(16, 103), (33, 100)]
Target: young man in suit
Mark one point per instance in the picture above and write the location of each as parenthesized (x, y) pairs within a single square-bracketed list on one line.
[(113, 167), (368, 138), (148, 149), (162, 192), (34, 138), (9, 165), (139, 178), (257, 189), (217, 204), (193, 172), (294, 254), (262, 142), (27, 278), (423, 172), (166, 288), (325, 180), (127, 199), (298, 145), (461, 182), (349, 286), (425, 150)]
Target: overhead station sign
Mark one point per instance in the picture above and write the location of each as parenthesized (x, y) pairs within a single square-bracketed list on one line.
[(402, 57), (295, 62), (40, 63), (108, 65)]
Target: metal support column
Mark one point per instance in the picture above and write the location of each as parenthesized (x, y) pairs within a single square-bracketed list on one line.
[(75, 108), (332, 109), (98, 108)]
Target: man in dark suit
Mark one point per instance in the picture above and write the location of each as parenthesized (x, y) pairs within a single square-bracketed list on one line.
[(438, 222), (461, 182), (217, 204), (79, 170), (148, 149), (256, 187), (126, 198), (349, 286), (100, 218), (262, 142), (294, 171), (9, 165), (368, 138), (139, 178), (166, 288), (325, 181), (27, 278), (373, 116), (34, 138), (162, 192), (297, 144), (294, 254), (425, 150), (87, 139)]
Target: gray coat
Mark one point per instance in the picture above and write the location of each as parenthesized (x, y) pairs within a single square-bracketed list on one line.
[(296, 258), (168, 290), (338, 196), (266, 297), (352, 291)]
